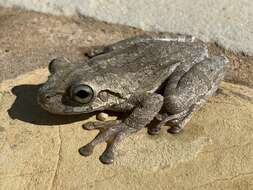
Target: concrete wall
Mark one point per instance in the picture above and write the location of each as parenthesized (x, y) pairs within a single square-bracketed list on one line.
[(229, 22)]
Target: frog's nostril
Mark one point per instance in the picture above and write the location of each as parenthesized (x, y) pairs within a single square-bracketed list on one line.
[(47, 97), (43, 98)]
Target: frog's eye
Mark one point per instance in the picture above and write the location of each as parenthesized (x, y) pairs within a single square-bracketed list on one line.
[(81, 93)]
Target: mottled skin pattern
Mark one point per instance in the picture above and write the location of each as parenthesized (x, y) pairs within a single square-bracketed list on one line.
[(162, 77)]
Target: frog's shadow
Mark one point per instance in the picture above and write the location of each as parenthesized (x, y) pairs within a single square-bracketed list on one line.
[(26, 108)]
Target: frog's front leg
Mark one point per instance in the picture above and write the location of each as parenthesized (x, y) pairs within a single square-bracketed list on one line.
[(96, 50), (145, 108)]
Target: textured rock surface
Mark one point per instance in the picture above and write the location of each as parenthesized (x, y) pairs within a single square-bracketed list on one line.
[(39, 150), (30, 40), (229, 22)]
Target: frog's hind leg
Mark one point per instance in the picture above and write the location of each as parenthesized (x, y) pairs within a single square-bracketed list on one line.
[(179, 123), (176, 121), (163, 119), (186, 95)]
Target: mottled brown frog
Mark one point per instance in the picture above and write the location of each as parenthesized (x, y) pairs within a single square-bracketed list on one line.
[(162, 77)]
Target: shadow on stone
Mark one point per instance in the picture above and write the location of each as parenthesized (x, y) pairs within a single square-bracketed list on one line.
[(26, 108)]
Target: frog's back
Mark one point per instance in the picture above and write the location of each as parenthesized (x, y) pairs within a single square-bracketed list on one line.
[(146, 65)]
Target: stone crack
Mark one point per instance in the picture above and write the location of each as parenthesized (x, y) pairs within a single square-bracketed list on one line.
[(25, 174), (226, 148), (223, 179), (58, 160)]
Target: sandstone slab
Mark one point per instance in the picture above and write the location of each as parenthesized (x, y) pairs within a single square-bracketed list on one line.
[(39, 150)]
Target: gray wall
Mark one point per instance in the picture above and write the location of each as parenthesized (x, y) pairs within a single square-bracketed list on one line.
[(229, 22)]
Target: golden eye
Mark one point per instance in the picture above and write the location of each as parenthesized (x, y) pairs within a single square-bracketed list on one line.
[(82, 93)]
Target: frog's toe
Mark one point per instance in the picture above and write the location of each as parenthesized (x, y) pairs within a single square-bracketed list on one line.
[(89, 53), (154, 130), (174, 130), (107, 157), (93, 51), (99, 124), (86, 150), (89, 125), (113, 134), (109, 154)]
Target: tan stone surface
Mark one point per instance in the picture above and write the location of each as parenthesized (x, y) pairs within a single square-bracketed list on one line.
[(39, 150)]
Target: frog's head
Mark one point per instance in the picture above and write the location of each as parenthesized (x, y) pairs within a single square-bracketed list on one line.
[(71, 89)]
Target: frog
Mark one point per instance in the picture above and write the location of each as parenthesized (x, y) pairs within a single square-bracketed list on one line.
[(150, 77)]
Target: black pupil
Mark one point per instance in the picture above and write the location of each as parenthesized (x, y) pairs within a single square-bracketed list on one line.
[(82, 94)]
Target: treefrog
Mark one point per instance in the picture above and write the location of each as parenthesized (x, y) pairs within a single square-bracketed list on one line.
[(158, 77)]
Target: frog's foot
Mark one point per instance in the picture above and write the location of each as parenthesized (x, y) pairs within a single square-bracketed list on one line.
[(164, 118), (154, 130), (177, 124), (176, 129), (111, 132), (96, 50)]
